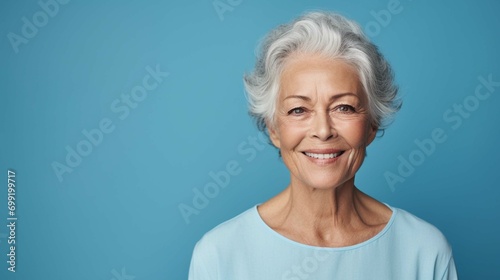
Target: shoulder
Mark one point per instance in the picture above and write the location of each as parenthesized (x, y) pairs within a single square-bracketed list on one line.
[(425, 236), (424, 241), (231, 226), (217, 245), (230, 232)]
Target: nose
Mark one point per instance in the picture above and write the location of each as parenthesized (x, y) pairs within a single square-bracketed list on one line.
[(322, 126)]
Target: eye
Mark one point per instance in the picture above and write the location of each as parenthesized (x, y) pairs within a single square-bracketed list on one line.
[(297, 111), (344, 108)]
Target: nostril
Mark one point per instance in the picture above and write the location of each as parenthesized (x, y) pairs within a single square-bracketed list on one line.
[(322, 128)]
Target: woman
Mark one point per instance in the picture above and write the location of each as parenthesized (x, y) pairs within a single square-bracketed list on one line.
[(322, 91)]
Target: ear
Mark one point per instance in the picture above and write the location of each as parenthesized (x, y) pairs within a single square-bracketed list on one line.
[(274, 135), (371, 134)]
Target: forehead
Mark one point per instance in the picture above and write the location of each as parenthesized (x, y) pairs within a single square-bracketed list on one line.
[(315, 75)]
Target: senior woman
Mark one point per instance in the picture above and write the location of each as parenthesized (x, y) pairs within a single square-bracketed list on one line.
[(322, 91)]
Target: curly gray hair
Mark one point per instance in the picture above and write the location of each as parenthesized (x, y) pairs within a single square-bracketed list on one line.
[(331, 35)]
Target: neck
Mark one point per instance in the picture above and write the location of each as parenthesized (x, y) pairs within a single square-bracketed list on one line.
[(323, 208), (334, 217)]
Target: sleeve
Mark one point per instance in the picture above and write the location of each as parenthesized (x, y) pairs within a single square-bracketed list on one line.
[(203, 263), (451, 271)]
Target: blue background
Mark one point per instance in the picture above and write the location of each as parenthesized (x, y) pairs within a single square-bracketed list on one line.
[(117, 213)]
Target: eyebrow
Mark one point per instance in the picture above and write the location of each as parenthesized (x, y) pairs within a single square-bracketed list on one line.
[(336, 96)]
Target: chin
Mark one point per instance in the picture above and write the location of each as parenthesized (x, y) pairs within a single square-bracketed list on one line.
[(326, 183)]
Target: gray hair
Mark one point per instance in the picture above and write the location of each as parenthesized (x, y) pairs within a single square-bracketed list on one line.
[(327, 34)]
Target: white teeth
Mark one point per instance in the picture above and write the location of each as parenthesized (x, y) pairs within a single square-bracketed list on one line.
[(323, 156)]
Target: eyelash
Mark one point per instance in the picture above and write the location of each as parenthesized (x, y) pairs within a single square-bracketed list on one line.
[(350, 109), (291, 112)]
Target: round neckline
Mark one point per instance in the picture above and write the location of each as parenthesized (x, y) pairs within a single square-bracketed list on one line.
[(345, 248)]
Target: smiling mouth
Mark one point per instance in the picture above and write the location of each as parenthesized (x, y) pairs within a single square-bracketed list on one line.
[(324, 156)]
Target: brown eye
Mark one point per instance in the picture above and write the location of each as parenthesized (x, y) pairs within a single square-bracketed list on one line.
[(345, 108)]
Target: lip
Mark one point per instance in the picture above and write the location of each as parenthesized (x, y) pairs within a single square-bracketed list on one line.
[(322, 151), (323, 161)]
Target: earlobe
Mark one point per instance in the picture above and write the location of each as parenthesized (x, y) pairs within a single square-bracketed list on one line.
[(274, 136), (372, 134)]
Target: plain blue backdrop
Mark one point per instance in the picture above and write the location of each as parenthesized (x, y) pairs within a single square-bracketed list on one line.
[(110, 207)]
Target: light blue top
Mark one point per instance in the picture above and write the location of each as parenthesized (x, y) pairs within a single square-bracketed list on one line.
[(247, 248)]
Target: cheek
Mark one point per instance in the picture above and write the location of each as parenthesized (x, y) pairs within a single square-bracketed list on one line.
[(356, 134), (291, 134)]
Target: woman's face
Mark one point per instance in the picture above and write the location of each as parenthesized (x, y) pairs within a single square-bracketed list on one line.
[(322, 124)]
